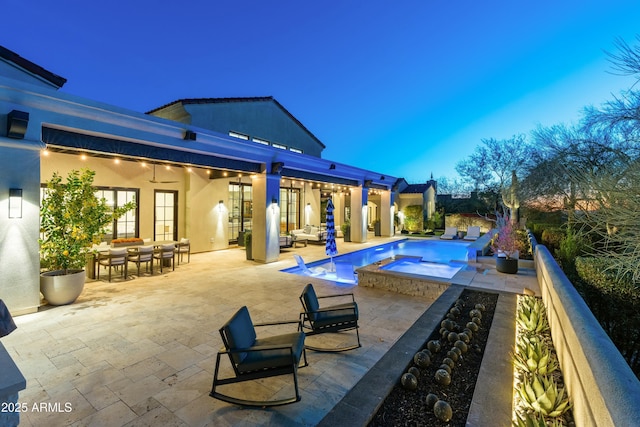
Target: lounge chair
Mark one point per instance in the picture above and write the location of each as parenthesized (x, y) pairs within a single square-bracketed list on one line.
[(473, 232), (254, 358), (335, 318), (450, 233), (313, 271), (345, 273)]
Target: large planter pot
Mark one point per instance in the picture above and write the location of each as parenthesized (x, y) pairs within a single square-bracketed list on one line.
[(507, 265), (61, 289)]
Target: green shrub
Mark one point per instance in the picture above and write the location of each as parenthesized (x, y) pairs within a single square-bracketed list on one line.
[(570, 247), (551, 238), (413, 218), (615, 302)]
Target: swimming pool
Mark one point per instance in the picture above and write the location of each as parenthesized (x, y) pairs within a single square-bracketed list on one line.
[(440, 258)]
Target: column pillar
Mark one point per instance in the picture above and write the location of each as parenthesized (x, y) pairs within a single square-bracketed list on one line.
[(386, 214), (359, 221), (265, 239)]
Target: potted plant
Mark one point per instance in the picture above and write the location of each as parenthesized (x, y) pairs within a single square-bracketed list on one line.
[(247, 244), (346, 230), (72, 220), (506, 245)]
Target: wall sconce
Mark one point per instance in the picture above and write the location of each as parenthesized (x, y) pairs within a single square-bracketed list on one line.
[(17, 122), (367, 183), (332, 166), (274, 201), (15, 203), (189, 135), (221, 202)]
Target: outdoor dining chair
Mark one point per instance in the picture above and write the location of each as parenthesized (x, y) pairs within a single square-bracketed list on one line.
[(335, 318), (166, 253), (141, 255), (183, 247), (255, 358), (112, 259)]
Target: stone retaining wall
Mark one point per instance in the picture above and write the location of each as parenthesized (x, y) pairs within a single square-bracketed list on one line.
[(602, 388)]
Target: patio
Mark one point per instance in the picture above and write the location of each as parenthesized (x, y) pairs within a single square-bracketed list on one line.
[(142, 352)]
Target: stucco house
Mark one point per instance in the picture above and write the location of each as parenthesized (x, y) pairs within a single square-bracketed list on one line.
[(205, 169)]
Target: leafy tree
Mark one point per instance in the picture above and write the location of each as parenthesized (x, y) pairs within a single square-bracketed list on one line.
[(493, 162)]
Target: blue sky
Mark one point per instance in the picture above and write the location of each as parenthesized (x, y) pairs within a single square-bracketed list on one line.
[(405, 88)]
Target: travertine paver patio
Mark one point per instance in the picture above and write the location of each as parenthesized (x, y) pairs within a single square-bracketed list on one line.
[(142, 352)]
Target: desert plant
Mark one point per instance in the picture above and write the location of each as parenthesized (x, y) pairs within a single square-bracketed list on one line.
[(533, 356), (531, 420), (531, 315), (72, 219), (541, 394)]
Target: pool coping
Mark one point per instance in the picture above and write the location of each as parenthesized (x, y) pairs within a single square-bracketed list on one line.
[(360, 404)]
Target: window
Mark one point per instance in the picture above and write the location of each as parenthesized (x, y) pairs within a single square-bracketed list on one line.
[(238, 135), (280, 146), (127, 224), (295, 150), (260, 141)]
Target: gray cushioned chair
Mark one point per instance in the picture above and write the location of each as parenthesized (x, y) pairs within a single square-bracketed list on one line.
[(253, 358), (113, 258), (335, 318)]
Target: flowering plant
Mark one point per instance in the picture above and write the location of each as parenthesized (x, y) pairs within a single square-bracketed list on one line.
[(506, 240), (72, 219)]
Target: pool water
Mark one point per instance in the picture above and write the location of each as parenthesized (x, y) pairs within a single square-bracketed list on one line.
[(439, 257)]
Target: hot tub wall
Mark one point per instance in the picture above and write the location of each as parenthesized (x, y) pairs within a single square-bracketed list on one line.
[(407, 284)]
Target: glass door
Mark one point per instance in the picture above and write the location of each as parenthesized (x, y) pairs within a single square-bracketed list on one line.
[(166, 215)]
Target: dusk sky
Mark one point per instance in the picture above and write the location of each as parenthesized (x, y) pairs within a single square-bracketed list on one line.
[(405, 88)]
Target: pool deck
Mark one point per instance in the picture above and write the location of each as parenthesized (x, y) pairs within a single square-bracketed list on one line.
[(142, 352)]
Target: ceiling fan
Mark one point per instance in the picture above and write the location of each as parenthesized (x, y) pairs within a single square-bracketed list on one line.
[(155, 181)]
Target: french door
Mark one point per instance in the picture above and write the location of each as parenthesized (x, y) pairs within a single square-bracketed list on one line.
[(166, 215)]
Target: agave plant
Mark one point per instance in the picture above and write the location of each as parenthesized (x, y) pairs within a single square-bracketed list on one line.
[(535, 421), (541, 394), (533, 356), (532, 315)]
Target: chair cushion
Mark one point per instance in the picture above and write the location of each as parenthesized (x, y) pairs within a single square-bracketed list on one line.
[(310, 300), (240, 333), (274, 358), (341, 313)]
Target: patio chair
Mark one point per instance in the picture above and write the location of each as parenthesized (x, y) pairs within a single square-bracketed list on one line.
[(314, 271), (113, 258), (473, 233), (335, 318), (141, 255), (166, 253), (254, 358), (450, 233), (183, 247)]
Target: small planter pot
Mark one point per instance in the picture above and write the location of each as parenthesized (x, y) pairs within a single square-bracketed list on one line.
[(507, 265), (62, 289)]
